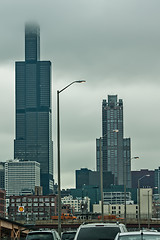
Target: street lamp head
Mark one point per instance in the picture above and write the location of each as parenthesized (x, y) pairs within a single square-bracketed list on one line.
[(116, 130), (147, 175), (135, 158), (80, 81)]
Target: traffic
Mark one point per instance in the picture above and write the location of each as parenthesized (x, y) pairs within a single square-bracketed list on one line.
[(96, 231)]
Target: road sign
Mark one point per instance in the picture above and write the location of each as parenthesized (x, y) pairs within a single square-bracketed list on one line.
[(20, 209)]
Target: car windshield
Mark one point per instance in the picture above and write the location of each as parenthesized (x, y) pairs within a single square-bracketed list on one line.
[(98, 233), (140, 237), (40, 236), (69, 236)]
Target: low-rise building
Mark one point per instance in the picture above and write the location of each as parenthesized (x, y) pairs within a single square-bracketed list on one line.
[(32, 207), (2, 203), (79, 205), (132, 210), (118, 210)]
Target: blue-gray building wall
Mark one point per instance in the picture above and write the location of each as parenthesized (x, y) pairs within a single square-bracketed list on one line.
[(112, 118), (33, 140)]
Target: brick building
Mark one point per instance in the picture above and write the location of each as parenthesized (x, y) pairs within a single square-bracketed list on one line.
[(2, 203), (32, 207)]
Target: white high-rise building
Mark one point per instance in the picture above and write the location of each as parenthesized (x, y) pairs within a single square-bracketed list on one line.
[(20, 175)]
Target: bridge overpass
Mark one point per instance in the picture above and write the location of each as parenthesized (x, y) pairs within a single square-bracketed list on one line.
[(18, 230), (74, 224), (12, 230)]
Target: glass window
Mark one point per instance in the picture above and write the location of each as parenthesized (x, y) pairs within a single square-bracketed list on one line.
[(115, 153), (139, 237), (41, 209), (69, 235), (35, 209), (47, 204), (109, 153), (24, 199), (40, 236), (96, 233)]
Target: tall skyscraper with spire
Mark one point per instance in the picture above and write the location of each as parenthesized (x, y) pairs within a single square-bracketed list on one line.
[(115, 149), (33, 137)]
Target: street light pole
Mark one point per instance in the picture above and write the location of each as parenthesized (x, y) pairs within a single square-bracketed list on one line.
[(125, 186), (148, 209), (101, 176), (139, 202), (58, 154)]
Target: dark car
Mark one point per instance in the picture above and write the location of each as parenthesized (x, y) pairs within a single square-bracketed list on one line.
[(99, 231)]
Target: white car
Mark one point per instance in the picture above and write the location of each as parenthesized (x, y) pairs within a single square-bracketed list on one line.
[(139, 235), (43, 235), (99, 231)]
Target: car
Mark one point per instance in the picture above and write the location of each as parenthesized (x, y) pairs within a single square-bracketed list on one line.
[(68, 235), (139, 235), (43, 234), (99, 231)]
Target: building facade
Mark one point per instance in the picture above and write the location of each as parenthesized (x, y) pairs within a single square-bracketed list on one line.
[(132, 210), (127, 161), (116, 197), (33, 140), (2, 203), (115, 149), (2, 175), (147, 181), (32, 207), (146, 202), (21, 175), (157, 180), (85, 176), (79, 205), (118, 210)]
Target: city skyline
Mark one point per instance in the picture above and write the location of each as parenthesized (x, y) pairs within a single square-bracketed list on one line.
[(115, 47)]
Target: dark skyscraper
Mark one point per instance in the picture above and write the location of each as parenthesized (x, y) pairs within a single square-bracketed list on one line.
[(115, 149), (33, 140)]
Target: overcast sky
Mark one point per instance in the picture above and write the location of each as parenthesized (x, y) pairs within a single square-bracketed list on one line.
[(115, 46)]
